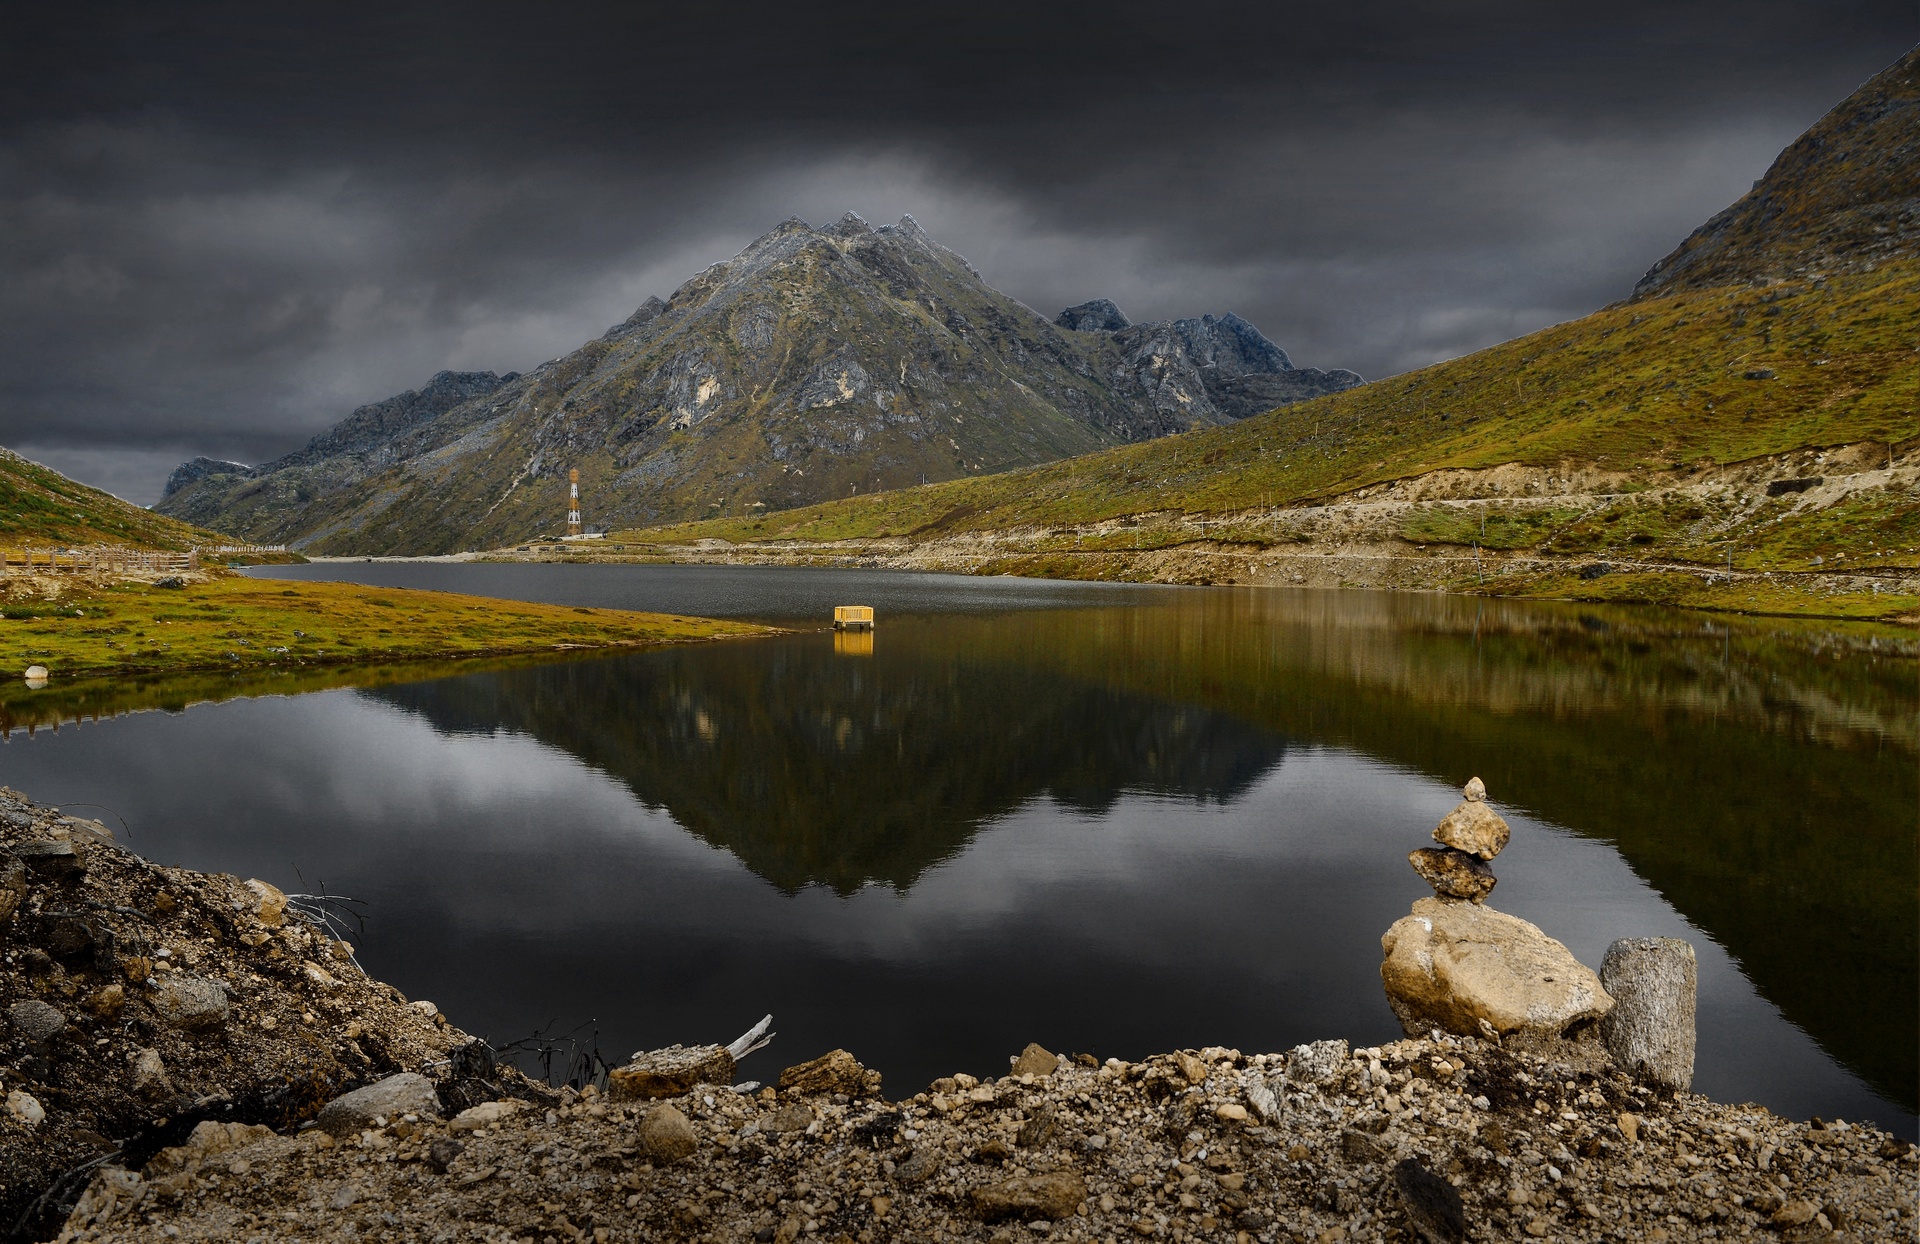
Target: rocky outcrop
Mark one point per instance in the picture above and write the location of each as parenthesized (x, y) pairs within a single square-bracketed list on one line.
[(1100, 315), (194, 470), (1841, 198), (138, 1001), (1206, 369), (815, 364), (258, 502)]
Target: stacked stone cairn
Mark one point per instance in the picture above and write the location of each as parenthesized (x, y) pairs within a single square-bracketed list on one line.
[(1471, 835), (1460, 966)]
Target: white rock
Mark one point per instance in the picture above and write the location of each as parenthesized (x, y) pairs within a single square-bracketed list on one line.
[(1260, 1098), (150, 1077), (1316, 1062), (486, 1114), (190, 1002), (26, 1108), (269, 903)]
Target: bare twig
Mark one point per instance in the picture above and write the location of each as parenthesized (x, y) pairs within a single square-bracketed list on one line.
[(329, 913), (754, 1038), (583, 1064), (104, 808)]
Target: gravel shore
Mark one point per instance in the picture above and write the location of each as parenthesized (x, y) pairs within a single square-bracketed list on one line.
[(173, 1111)]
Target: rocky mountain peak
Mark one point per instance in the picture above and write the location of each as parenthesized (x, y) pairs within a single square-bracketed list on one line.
[(853, 224), (816, 363), (1100, 315), (194, 470), (1842, 197)]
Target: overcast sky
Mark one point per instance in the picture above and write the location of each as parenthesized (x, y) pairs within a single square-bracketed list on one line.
[(223, 225)]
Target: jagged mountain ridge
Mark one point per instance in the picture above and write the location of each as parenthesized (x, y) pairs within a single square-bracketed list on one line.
[(1842, 197), (817, 363)]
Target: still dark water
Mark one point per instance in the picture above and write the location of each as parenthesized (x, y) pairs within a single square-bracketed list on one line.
[(1110, 819)]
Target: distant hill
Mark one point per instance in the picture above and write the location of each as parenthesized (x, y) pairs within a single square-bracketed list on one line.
[(1780, 331), (818, 363), (41, 508), (1843, 197)]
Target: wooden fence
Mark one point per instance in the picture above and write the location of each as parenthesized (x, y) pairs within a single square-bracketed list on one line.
[(97, 560), (108, 559)]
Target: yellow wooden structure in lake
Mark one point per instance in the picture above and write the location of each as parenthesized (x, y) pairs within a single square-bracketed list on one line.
[(853, 617)]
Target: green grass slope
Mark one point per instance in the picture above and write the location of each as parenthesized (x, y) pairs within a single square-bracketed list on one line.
[(41, 508), (1694, 378)]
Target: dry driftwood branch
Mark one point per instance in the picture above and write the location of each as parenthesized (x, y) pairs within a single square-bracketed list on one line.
[(754, 1038)]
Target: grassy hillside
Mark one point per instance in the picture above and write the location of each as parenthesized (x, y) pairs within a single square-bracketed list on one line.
[(235, 624), (1700, 377), (41, 507)]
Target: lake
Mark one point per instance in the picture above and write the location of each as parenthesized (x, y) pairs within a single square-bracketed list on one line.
[(1105, 818)]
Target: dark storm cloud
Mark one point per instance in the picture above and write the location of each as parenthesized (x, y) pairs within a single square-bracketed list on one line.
[(220, 229)]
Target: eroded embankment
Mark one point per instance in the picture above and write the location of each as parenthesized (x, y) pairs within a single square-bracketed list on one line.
[(175, 1094), (1826, 533)]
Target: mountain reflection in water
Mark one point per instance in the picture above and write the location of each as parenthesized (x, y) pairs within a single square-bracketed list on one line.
[(844, 772), (1177, 820)]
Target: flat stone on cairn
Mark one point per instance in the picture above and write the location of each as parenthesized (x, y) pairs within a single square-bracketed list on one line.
[(1454, 874), (1472, 834)]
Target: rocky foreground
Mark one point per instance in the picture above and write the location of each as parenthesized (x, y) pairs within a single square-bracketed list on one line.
[(210, 1100)]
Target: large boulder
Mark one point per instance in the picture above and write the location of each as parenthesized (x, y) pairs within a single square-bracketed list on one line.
[(1472, 970), (836, 1071), (1650, 1031)]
